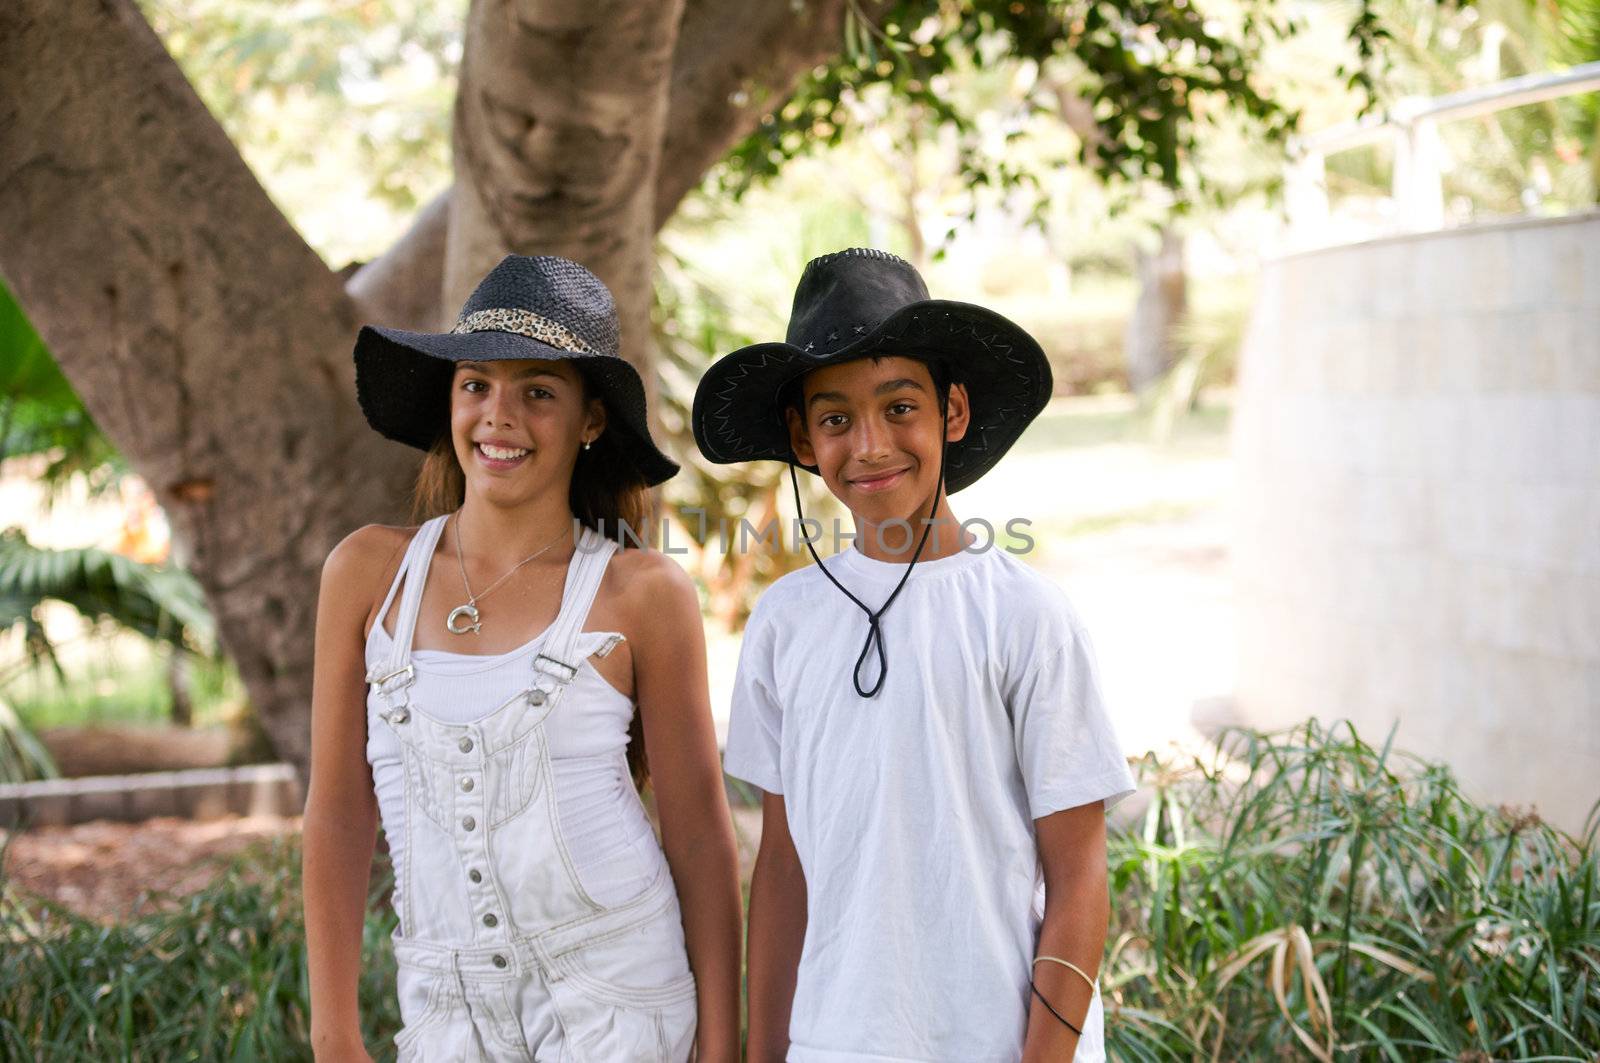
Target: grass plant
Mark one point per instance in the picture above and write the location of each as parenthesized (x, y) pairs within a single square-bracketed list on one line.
[(217, 975), (123, 679), (1307, 895)]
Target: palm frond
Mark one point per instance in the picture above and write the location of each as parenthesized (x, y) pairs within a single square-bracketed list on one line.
[(158, 601)]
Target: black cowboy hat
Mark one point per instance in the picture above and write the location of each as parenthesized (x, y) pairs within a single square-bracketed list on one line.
[(859, 303), (538, 307)]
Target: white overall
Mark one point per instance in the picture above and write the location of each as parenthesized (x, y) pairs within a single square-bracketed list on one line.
[(503, 954)]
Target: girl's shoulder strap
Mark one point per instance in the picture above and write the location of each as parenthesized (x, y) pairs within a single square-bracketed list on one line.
[(399, 578), (414, 575), (587, 568)]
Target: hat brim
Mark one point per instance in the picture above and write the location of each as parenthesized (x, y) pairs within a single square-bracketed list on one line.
[(738, 414), (403, 386)]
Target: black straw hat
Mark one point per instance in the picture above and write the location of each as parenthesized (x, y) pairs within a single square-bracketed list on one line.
[(527, 307), (859, 303)]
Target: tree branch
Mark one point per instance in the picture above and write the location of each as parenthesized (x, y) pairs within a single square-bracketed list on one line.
[(737, 60), (401, 287)]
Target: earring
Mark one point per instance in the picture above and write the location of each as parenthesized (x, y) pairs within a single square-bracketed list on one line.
[(586, 444)]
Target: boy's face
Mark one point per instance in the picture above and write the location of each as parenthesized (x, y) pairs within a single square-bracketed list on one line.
[(871, 428)]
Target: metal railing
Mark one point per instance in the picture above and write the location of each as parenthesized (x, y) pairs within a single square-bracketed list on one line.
[(1411, 126)]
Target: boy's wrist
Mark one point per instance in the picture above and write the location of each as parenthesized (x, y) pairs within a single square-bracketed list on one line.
[(715, 1043)]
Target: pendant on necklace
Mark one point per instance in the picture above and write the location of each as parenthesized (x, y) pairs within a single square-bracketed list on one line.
[(469, 612)]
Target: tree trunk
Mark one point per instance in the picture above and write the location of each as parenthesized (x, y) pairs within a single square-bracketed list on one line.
[(562, 165), (178, 680), (1162, 300), (213, 346), (208, 341)]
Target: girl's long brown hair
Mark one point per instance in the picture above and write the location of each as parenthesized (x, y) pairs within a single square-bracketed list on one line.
[(607, 495)]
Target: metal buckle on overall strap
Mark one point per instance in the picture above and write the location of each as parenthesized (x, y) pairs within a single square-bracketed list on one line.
[(567, 673), (397, 713), (382, 681)]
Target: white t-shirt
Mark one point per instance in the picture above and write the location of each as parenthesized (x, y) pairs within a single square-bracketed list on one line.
[(912, 812)]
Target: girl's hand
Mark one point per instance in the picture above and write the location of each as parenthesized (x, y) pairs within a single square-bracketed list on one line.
[(341, 1050)]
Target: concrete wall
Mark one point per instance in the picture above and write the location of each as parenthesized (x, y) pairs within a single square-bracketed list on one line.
[(1418, 535), (199, 793)]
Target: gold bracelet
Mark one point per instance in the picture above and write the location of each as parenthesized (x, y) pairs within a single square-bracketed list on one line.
[(1094, 987)]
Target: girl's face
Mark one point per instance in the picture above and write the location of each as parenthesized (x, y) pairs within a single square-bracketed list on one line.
[(517, 426), (872, 429)]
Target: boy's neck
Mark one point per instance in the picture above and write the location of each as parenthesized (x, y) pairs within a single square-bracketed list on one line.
[(891, 544)]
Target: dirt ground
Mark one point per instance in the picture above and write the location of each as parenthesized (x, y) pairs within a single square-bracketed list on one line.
[(109, 871)]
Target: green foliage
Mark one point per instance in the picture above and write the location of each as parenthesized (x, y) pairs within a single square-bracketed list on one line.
[(123, 681), (1538, 158), (341, 107), (1310, 890), (41, 414), (160, 602), (22, 755), (1572, 29), (1156, 76), (693, 325), (220, 974), (1208, 341), (1305, 881)]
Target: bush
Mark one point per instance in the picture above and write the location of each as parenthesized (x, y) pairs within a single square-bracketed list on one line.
[(1301, 895), (1308, 892)]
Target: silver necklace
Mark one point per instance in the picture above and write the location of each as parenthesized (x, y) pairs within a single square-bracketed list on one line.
[(469, 611)]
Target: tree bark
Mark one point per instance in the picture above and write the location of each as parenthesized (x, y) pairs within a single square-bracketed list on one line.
[(208, 341), (178, 680)]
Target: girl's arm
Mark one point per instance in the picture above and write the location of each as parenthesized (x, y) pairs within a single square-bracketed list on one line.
[(340, 825), (669, 661), (1072, 848), (777, 932)]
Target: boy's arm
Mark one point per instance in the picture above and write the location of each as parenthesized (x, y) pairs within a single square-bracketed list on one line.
[(777, 931), (1072, 848)]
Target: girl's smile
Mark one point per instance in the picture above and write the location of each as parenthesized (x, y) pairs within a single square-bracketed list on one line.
[(518, 424), (500, 455)]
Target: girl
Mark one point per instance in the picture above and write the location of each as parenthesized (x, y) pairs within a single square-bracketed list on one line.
[(475, 687)]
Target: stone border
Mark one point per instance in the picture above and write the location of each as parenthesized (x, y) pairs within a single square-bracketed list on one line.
[(204, 793)]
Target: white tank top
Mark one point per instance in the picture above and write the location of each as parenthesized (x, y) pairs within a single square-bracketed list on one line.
[(601, 817)]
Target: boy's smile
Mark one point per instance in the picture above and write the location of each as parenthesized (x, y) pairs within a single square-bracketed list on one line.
[(875, 482), (872, 429)]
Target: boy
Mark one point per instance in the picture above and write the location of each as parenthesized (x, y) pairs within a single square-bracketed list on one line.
[(927, 749)]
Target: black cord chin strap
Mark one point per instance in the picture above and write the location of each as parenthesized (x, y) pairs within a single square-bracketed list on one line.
[(875, 618)]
